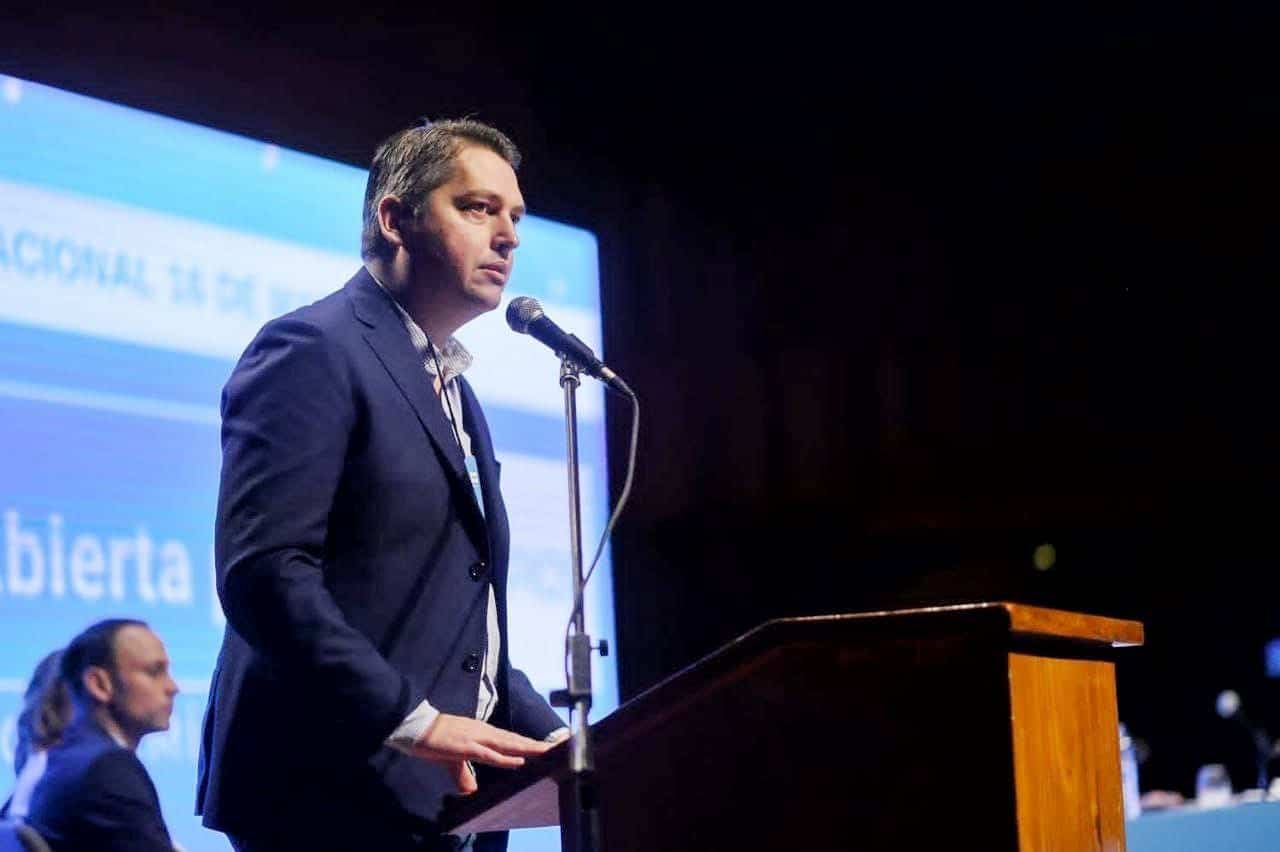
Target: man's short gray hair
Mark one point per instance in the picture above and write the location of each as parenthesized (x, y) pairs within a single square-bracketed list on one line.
[(414, 161)]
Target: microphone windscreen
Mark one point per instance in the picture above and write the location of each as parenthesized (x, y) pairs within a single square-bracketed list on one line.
[(521, 311)]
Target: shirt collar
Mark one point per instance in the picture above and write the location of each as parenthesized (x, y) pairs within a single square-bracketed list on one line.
[(454, 357)]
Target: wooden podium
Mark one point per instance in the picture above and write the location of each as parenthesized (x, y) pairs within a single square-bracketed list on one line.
[(985, 726)]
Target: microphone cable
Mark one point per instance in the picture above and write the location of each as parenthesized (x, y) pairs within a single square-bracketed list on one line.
[(623, 496)]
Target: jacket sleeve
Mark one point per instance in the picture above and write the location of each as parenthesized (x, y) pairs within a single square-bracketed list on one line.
[(531, 715), (287, 414)]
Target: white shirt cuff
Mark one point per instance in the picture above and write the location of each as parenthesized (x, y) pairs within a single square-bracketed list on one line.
[(560, 733), (412, 728)]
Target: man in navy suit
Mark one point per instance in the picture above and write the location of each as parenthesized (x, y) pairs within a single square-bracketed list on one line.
[(95, 794), (361, 537)]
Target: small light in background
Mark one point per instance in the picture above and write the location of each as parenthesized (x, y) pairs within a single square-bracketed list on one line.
[(1271, 652), (1044, 557), (1228, 703), (270, 157), (11, 90)]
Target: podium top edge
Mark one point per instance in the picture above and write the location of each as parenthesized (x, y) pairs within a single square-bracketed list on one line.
[(1020, 620)]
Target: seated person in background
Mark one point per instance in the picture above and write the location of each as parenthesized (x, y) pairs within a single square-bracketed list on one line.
[(46, 709), (95, 793)]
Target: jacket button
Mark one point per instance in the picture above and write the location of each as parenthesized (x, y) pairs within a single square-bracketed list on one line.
[(471, 663), (476, 571)]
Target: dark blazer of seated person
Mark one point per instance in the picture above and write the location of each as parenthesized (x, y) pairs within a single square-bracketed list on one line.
[(95, 793)]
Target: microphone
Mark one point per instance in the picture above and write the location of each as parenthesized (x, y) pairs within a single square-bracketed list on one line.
[(525, 316), (1229, 707)]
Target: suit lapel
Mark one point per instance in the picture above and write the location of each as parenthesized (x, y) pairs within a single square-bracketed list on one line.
[(386, 335), (482, 448), (494, 509)]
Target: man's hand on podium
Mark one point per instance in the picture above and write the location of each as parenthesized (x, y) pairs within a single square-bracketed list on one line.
[(454, 740)]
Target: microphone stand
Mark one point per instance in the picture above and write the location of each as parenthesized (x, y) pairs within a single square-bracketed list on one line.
[(1265, 750), (579, 800)]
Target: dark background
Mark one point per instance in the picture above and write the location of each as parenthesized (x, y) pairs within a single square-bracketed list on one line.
[(905, 293)]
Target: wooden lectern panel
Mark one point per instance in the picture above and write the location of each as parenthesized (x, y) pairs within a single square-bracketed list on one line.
[(989, 726), (1060, 709)]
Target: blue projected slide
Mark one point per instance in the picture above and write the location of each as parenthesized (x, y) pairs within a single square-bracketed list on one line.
[(138, 256)]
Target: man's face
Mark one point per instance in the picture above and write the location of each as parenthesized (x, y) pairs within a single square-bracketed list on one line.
[(463, 241), (142, 688)]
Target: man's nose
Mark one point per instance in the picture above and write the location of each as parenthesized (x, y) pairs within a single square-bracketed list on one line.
[(506, 238)]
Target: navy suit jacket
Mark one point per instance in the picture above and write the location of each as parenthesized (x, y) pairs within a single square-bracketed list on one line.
[(352, 564), (95, 794)]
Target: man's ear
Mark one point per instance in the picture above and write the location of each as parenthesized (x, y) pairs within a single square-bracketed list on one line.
[(392, 213), (98, 683)]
